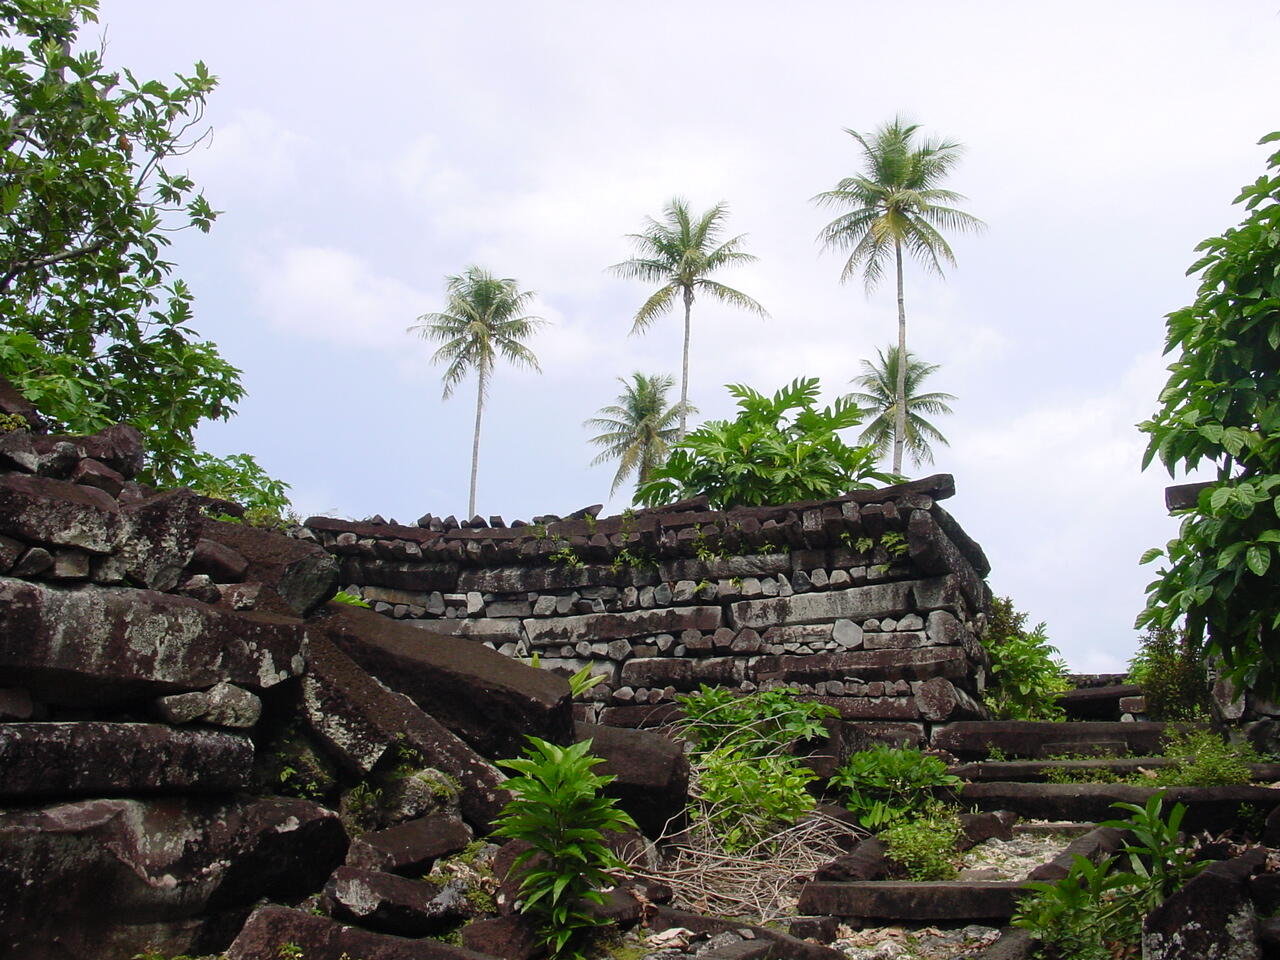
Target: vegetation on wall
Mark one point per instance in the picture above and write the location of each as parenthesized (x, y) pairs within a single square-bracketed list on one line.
[(1221, 409), (778, 449), (1026, 671)]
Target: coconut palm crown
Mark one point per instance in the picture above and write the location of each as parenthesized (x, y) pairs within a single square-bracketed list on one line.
[(639, 428), (483, 320), (879, 394), (680, 252), (896, 203)]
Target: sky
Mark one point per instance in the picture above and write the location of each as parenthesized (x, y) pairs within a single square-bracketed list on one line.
[(361, 154)]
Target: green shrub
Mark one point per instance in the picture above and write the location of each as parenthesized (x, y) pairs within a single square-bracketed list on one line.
[(746, 782), (927, 846), (778, 449), (1170, 668), (763, 721), (558, 808), (1096, 911), (1204, 759), (884, 785), (1025, 670)]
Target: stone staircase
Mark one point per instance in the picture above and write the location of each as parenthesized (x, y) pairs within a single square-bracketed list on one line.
[(1016, 784)]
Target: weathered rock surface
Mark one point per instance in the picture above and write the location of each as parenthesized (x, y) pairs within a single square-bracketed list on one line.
[(1026, 738), (303, 574), (935, 900), (98, 878), (856, 603), (108, 759), (360, 720), (223, 705), (94, 645), (320, 938), (594, 627), (490, 701), (1210, 918), (652, 774), (409, 847), (387, 903), (55, 513)]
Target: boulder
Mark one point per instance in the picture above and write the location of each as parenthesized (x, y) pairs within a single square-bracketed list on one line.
[(511, 937), (359, 720), (300, 572), (319, 938), (55, 513), (158, 538), (218, 561), (1210, 918), (387, 903), (409, 847), (652, 774), (223, 705), (88, 759), (489, 700), (90, 645), (103, 878), (867, 861)]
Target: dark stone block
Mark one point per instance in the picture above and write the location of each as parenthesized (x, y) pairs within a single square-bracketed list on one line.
[(319, 938), (108, 759), (359, 720), (387, 903), (508, 938), (409, 847), (131, 644), (303, 574), (894, 900), (99, 878), (1210, 918), (218, 561), (652, 774), (492, 702)]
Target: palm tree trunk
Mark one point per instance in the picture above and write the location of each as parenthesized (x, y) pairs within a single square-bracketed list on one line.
[(481, 375), (900, 387), (684, 375)]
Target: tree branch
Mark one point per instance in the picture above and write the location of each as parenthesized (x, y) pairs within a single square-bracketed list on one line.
[(19, 266)]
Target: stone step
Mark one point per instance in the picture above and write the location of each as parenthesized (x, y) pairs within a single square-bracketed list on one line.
[(1034, 771), (1096, 703), (1215, 809), (974, 739), (953, 900)]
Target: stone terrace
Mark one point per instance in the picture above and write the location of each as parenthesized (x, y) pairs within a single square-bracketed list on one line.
[(872, 602)]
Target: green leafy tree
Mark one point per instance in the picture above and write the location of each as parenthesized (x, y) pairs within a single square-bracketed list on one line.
[(483, 320), (778, 449), (896, 203), (680, 252), (1221, 408), (95, 329), (880, 393), (639, 428)]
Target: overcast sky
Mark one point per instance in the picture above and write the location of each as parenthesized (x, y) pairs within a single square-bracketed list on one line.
[(361, 153)]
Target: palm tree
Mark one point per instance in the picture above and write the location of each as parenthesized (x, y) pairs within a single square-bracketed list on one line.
[(481, 320), (880, 383), (895, 203), (638, 428), (680, 252)]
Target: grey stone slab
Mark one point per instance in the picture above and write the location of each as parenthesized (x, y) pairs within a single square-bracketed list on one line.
[(856, 603)]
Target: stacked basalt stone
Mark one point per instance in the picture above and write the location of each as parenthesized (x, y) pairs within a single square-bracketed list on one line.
[(873, 602), (199, 752)]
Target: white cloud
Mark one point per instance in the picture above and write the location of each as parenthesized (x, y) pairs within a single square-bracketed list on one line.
[(330, 294)]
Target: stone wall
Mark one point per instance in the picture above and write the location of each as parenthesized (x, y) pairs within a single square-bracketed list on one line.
[(872, 602)]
